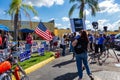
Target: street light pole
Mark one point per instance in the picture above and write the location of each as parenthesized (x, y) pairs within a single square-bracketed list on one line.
[(95, 26), (105, 29)]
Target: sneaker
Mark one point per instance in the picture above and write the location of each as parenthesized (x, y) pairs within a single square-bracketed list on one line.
[(91, 77)]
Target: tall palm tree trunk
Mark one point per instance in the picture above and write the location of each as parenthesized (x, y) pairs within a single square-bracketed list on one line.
[(15, 27)]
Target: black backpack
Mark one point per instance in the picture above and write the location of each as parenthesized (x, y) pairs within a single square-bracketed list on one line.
[(79, 48)]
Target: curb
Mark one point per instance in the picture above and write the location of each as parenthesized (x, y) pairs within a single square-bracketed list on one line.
[(39, 65)]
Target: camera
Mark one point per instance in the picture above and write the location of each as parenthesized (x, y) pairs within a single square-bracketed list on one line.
[(105, 28), (95, 25)]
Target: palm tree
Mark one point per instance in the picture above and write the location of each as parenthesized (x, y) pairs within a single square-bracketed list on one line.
[(81, 5), (15, 9)]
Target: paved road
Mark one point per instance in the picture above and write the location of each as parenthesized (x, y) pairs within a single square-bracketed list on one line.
[(64, 68)]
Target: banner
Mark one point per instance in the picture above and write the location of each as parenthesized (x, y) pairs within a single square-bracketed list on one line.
[(24, 55), (41, 50), (77, 24)]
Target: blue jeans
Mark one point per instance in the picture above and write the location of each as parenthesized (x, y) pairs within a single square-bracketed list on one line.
[(28, 46), (71, 47), (63, 51), (79, 59)]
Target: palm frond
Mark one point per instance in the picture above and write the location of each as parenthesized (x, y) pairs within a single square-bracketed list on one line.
[(14, 6), (29, 7), (72, 9), (93, 5), (71, 1), (28, 15)]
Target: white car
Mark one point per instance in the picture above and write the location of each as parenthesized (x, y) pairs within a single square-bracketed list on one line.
[(117, 41)]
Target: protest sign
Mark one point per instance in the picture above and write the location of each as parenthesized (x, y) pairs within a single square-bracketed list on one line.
[(77, 24)]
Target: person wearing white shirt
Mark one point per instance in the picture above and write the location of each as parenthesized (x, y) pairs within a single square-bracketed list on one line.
[(63, 42)]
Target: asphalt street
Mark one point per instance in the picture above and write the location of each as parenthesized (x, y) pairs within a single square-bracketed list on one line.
[(63, 68)]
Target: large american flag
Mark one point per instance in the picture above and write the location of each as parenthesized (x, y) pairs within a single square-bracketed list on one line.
[(43, 32)]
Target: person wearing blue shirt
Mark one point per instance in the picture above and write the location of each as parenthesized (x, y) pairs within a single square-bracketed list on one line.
[(101, 42)]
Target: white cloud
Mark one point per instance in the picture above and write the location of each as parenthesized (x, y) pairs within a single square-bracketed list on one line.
[(102, 23), (110, 26), (109, 6), (59, 2), (52, 19), (115, 25), (65, 19), (87, 12), (36, 18), (62, 26), (58, 25), (87, 22), (89, 26), (47, 3), (2, 12)]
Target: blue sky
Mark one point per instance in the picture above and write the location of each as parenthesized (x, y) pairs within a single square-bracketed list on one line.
[(58, 10)]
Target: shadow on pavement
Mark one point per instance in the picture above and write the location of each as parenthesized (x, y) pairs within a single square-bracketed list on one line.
[(67, 76), (63, 63)]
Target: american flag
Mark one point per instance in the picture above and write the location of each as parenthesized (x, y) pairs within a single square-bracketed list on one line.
[(43, 32)]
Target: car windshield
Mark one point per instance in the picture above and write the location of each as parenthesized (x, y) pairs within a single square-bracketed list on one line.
[(117, 36)]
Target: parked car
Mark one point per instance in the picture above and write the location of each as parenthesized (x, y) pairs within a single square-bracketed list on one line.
[(117, 41)]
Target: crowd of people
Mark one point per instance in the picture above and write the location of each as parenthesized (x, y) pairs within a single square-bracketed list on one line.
[(89, 42), (97, 42), (78, 44)]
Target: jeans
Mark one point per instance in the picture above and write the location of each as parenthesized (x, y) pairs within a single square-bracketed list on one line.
[(79, 59), (28, 46), (71, 47), (63, 51)]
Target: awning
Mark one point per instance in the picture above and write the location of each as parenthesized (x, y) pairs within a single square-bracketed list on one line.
[(26, 30), (3, 27)]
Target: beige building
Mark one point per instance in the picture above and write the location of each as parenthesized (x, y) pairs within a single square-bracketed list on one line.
[(28, 25), (61, 32)]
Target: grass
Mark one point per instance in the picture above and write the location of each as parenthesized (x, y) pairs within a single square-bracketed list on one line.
[(35, 58)]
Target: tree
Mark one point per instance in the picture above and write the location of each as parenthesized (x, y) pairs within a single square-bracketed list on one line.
[(16, 7), (81, 5)]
